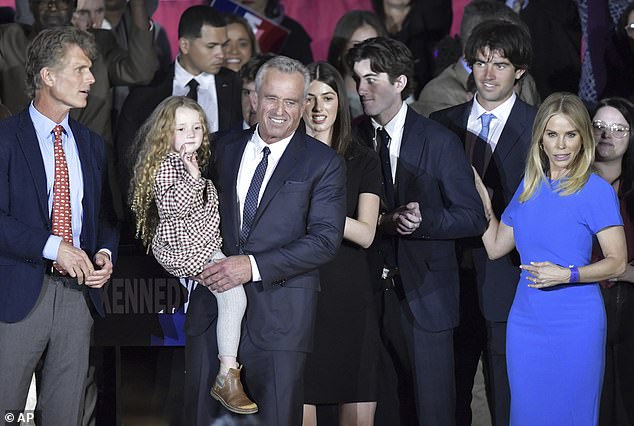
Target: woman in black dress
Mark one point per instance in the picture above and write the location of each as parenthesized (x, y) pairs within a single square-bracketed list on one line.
[(343, 366)]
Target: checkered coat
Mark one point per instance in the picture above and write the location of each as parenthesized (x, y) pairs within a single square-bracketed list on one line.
[(188, 233)]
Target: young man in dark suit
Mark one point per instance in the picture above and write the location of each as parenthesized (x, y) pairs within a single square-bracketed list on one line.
[(277, 230), (495, 128), (56, 245), (429, 201)]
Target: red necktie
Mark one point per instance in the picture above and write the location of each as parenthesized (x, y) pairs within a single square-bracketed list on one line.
[(61, 215)]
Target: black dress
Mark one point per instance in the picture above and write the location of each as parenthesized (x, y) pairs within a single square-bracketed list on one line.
[(343, 365)]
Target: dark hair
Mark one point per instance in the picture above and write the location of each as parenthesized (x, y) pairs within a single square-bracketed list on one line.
[(193, 19), (626, 189), (342, 130), (250, 69), (478, 11), (231, 18), (49, 48), (386, 55), (510, 40), (346, 26)]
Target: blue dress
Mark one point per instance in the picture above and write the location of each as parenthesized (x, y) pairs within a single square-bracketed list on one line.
[(556, 336)]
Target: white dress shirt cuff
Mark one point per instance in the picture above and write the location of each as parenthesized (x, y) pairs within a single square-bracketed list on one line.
[(255, 272), (106, 251), (51, 247)]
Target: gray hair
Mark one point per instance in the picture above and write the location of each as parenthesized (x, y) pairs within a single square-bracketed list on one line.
[(48, 50), (285, 65)]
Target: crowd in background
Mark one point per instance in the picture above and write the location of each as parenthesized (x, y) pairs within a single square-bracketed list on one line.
[(364, 360)]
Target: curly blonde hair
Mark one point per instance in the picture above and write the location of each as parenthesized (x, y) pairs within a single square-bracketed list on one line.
[(154, 141)]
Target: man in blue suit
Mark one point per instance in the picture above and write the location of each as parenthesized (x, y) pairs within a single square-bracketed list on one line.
[(56, 246), (282, 203), (499, 53), (429, 201)]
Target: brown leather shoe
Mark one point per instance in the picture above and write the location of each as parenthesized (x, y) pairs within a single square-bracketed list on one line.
[(231, 395)]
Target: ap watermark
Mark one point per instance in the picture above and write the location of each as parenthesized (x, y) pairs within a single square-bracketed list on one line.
[(19, 417)]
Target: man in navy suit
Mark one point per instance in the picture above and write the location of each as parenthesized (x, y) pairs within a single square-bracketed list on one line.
[(277, 231), (429, 201), (499, 53), (51, 263)]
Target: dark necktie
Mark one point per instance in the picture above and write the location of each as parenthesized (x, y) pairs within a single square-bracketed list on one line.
[(482, 144), (383, 143), (61, 213), (193, 89), (251, 200)]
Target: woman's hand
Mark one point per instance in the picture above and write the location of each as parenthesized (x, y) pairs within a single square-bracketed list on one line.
[(190, 161), (546, 274), (483, 192)]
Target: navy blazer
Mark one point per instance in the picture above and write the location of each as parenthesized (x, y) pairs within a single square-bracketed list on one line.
[(497, 279), (433, 170), (25, 223), (297, 228)]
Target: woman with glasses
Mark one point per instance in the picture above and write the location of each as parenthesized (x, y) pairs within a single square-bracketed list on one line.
[(556, 328), (614, 160), (619, 58)]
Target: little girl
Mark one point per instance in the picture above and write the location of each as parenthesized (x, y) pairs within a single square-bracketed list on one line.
[(176, 211)]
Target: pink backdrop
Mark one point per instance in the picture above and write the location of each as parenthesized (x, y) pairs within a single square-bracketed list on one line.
[(317, 17)]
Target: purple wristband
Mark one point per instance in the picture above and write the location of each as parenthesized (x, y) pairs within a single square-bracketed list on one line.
[(574, 274)]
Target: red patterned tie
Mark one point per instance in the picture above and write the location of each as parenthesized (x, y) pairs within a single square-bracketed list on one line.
[(61, 215)]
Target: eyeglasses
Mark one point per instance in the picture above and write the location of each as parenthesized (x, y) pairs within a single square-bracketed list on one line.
[(617, 130), (629, 29)]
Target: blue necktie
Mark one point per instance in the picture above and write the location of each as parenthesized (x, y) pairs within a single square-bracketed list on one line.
[(193, 89), (383, 141), (482, 143), (251, 200)]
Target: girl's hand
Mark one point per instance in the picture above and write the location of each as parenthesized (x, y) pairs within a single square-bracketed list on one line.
[(546, 274), (190, 161)]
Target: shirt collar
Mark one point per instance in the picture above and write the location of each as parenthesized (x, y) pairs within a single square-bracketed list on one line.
[(395, 124), (43, 125), (501, 112), (182, 76), (276, 148)]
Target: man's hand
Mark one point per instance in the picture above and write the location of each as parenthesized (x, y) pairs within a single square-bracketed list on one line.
[(102, 273), (74, 261), (408, 219), (224, 274)]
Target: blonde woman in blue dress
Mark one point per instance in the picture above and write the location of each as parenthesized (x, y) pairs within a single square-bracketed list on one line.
[(556, 328)]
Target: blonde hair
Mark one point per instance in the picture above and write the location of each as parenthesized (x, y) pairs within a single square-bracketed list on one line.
[(154, 141), (537, 164)]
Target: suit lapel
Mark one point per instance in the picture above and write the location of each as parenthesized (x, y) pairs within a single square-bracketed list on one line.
[(411, 151), (513, 129), (82, 140), (231, 161), (31, 149)]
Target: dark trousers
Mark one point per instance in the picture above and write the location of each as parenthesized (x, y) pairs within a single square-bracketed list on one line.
[(421, 365), (473, 338), (617, 398)]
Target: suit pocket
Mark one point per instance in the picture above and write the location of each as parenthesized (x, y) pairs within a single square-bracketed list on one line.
[(295, 186), (7, 261)]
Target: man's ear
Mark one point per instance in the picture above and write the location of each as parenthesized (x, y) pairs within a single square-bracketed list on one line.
[(400, 82), (253, 98), (47, 76), (519, 73), (183, 45)]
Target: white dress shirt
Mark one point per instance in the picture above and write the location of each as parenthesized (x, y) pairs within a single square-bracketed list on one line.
[(394, 128), (207, 97), (474, 125), (251, 157)]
